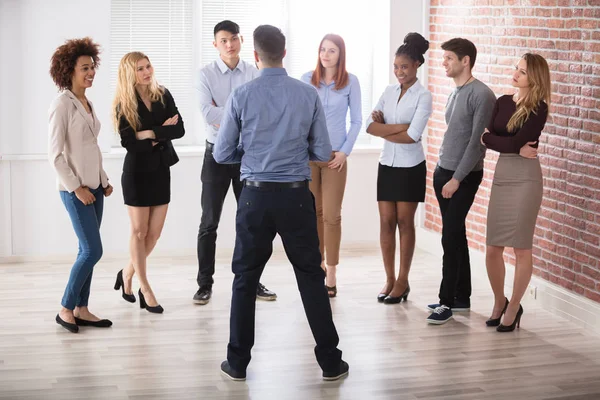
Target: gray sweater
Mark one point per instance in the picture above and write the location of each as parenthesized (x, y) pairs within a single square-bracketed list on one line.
[(468, 113)]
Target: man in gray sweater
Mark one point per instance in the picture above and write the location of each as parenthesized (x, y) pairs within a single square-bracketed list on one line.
[(458, 174)]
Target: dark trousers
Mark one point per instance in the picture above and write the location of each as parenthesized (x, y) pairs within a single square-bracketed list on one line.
[(290, 212), (216, 179), (86, 223), (456, 271)]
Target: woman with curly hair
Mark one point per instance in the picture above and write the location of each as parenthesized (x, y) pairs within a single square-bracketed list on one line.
[(147, 119), (82, 182)]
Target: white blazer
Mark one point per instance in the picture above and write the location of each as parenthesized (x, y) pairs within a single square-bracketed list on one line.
[(73, 148)]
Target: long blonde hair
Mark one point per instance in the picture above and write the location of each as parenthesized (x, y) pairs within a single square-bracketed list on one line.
[(540, 89), (125, 103)]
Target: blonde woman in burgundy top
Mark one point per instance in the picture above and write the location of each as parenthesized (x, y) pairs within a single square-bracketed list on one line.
[(516, 125)]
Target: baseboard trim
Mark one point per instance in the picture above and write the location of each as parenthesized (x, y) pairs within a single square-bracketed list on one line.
[(549, 296)]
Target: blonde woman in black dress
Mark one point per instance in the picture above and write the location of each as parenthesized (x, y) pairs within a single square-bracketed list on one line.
[(147, 119), (516, 197)]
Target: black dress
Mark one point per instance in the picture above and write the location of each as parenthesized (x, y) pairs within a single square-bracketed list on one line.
[(146, 179)]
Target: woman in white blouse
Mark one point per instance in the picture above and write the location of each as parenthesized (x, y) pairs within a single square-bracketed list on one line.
[(400, 118), (74, 154)]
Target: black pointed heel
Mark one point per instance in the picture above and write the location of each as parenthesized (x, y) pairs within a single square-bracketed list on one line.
[(496, 321), (516, 323), (120, 285), (395, 300), (156, 309)]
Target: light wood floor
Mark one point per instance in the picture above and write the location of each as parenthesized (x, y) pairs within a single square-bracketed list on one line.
[(392, 352)]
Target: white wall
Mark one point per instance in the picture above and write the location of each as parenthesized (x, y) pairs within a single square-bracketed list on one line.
[(30, 31), (33, 221)]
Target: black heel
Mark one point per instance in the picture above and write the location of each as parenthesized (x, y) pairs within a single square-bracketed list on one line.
[(156, 309), (395, 300), (496, 321), (120, 285), (516, 322)]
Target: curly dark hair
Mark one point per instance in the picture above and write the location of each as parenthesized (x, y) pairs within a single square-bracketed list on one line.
[(64, 59)]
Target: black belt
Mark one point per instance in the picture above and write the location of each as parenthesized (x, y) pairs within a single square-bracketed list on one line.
[(209, 146), (276, 185)]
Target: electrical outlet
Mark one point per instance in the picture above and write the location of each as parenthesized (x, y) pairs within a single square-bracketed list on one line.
[(532, 291)]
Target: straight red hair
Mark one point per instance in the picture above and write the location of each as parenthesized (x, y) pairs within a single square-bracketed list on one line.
[(341, 76)]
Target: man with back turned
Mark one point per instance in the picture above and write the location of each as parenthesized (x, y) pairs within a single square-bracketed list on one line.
[(274, 125)]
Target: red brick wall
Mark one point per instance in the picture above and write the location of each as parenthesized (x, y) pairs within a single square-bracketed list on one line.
[(567, 33)]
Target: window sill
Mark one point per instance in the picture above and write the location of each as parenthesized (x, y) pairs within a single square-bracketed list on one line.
[(182, 151)]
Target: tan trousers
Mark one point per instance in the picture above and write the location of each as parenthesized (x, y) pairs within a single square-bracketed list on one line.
[(328, 187)]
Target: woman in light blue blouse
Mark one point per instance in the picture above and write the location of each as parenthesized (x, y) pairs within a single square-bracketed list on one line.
[(400, 118), (338, 91)]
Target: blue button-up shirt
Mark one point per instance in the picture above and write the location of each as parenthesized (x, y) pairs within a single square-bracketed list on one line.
[(336, 104), (274, 125), (215, 82)]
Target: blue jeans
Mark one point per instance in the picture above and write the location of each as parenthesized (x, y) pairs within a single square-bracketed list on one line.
[(86, 223)]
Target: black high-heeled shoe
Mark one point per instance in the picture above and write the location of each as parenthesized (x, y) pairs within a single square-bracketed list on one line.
[(120, 285), (156, 309), (381, 296), (516, 322), (394, 300), (496, 321)]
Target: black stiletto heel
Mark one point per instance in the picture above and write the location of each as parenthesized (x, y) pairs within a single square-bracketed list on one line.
[(516, 322), (496, 321)]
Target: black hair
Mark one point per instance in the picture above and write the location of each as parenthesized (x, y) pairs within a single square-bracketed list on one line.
[(227, 26), (414, 46), (269, 43)]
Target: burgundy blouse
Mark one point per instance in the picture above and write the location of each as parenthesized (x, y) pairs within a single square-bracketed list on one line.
[(502, 141)]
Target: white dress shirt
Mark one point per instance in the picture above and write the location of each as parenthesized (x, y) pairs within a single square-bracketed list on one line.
[(214, 83), (414, 108)]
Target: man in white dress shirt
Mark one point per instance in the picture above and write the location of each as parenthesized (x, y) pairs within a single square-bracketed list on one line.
[(214, 83)]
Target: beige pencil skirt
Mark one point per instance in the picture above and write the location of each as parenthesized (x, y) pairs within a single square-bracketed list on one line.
[(515, 201)]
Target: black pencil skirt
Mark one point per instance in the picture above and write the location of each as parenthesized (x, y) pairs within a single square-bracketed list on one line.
[(402, 184)]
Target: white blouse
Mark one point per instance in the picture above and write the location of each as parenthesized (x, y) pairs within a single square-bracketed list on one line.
[(414, 108)]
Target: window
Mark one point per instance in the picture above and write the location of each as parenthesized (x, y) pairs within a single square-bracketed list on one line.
[(365, 33), (163, 31), (178, 37)]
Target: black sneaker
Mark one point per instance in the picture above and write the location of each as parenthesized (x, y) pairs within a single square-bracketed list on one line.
[(262, 293), (339, 372), (440, 315), (203, 294), (231, 373)]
